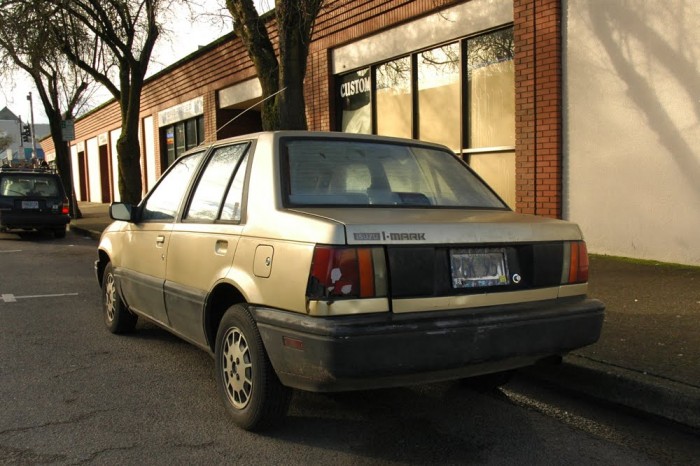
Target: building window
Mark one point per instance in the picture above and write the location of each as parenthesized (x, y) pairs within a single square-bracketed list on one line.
[(191, 139), (394, 106), (181, 136), (180, 145), (491, 90), (491, 110), (355, 102), (169, 146), (460, 94), (439, 96)]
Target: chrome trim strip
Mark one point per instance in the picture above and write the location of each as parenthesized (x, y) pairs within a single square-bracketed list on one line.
[(347, 307), (475, 300), (573, 290)]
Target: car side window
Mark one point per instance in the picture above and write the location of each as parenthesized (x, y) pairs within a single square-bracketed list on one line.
[(11, 186), (212, 186), (234, 198), (164, 201)]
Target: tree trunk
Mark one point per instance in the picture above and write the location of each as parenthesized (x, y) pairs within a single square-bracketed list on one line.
[(128, 147), (295, 20), (269, 113), (129, 161), (292, 106), (63, 163)]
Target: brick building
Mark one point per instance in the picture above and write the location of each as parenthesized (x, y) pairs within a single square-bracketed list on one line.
[(510, 85)]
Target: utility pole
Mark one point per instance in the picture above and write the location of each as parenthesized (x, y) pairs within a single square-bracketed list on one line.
[(21, 137), (31, 112)]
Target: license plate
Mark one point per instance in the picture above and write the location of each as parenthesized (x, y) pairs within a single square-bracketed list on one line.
[(477, 268), (30, 204)]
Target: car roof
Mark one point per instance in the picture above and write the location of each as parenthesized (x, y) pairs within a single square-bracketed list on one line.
[(25, 171), (275, 135)]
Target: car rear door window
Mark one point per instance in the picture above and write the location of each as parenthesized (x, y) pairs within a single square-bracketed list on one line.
[(232, 206), (214, 184)]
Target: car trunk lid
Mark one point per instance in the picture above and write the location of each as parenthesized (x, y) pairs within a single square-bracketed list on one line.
[(441, 259), (444, 226)]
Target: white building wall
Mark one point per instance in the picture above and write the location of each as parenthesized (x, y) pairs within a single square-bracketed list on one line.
[(632, 126), (12, 129), (94, 174), (150, 151), (113, 136), (76, 171)]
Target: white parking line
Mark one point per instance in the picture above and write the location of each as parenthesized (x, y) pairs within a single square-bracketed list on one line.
[(10, 298)]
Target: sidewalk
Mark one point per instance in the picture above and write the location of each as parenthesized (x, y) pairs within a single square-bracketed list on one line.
[(648, 356)]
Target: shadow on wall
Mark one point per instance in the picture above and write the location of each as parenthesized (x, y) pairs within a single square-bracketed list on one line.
[(623, 30)]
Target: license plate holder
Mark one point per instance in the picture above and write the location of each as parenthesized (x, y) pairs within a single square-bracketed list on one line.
[(30, 205), (479, 267)]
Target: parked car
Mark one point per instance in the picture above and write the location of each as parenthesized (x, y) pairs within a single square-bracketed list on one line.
[(332, 262), (32, 199)]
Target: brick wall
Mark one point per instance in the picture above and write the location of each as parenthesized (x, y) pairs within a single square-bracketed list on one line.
[(538, 106)]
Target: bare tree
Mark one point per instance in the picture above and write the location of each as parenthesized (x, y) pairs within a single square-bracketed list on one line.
[(121, 35), (295, 20), (27, 43)]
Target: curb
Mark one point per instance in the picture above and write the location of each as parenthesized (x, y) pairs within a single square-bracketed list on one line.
[(85, 231), (639, 391)]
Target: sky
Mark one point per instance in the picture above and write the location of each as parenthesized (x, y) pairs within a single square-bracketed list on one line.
[(186, 37)]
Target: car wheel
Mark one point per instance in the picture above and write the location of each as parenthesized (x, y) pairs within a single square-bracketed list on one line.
[(60, 232), (488, 382), (247, 383), (117, 317)]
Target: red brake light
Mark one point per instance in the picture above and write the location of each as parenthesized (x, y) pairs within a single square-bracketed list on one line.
[(64, 207), (342, 272)]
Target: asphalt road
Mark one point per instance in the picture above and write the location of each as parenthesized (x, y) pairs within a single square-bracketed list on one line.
[(71, 392)]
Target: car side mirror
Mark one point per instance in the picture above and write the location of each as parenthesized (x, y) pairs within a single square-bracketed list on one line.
[(121, 211)]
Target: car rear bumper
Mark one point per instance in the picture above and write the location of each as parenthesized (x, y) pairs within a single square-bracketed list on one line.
[(32, 220), (384, 350)]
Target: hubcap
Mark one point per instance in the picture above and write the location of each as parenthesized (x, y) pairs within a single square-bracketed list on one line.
[(237, 368), (110, 293)]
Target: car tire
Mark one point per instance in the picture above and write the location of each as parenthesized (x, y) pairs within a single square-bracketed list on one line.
[(117, 317), (246, 381), (60, 232)]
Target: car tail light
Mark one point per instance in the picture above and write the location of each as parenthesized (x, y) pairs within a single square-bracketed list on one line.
[(347, 272), (65, 210), (575, 266)]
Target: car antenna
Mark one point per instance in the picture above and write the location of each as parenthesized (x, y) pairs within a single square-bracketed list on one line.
[(244, 111)]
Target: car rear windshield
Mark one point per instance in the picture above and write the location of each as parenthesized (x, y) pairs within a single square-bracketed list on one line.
[(358, 173), (29, 185)]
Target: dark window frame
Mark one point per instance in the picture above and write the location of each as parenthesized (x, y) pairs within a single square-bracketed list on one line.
[(465, 150), (178, 147)]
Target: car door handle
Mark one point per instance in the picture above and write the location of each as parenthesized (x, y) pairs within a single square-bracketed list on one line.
[(221, 247), (160, 240)]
